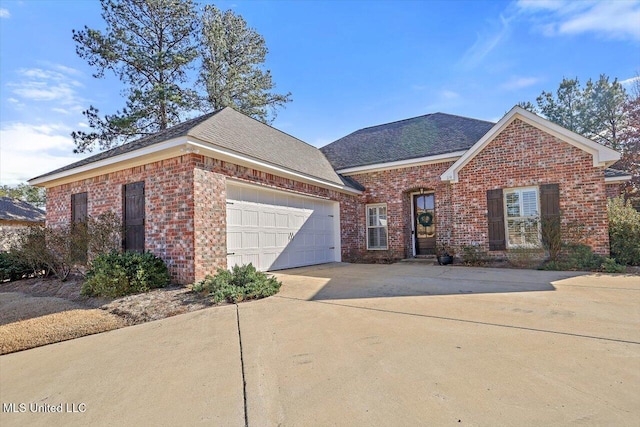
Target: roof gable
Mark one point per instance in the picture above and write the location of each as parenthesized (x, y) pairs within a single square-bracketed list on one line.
[(419, 137), (602, 156)]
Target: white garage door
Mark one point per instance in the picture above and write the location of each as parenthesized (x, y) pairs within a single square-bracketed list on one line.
[(275, 230)]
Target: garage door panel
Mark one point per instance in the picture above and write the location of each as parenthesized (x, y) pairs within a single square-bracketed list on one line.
[(250, 217), (270, 240), (268, 219), (234, 216), (275, 230), (234, 240)]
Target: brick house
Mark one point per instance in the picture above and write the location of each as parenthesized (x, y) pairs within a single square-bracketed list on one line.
[(15, 216), (224, 189)]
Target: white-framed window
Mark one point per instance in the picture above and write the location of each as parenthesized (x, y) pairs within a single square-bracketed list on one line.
[(377, 226), (522, 217)]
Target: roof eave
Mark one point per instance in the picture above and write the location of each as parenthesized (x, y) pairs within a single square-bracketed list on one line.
[(418, 161), (617, 179), (172, 148)]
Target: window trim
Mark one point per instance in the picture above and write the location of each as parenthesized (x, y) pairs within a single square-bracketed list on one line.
[(507, 191), (386, 227)]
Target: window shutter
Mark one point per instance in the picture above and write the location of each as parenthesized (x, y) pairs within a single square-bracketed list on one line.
[(550, 207), (78, 207), (495, 209), (134, 217)]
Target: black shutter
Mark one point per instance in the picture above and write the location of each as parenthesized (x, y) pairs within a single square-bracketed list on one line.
[(133, 213), (550, 208), (495, 210), (78, 208), (78, 225)]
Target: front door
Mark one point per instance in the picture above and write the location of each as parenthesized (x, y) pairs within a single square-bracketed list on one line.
[(424, 223)]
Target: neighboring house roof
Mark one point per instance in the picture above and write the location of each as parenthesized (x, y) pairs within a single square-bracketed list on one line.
[(225, 134), (612, 175), (423, 136), (602, 156), (16, 210)]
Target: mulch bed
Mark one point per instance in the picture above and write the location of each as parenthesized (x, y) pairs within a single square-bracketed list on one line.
[(40, 311)]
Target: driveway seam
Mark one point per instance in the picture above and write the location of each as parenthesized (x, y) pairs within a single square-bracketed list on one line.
[(244, 380), (467, 321)]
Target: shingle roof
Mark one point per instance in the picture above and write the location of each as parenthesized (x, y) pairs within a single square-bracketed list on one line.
[(422, 136), (173, 132), (615, 173), (234, 131), (16, 210)]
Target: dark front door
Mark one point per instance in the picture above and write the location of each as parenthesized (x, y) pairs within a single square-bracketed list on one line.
[(134, 217), (425, 223)]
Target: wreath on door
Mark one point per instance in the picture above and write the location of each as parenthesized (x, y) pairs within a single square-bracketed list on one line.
[(425, 219)]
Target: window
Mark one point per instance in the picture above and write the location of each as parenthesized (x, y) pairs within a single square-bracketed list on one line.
[(377, 226), (522, 217)]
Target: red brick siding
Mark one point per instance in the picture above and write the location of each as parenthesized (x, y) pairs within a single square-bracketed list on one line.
[(520, 156), (614, 190), (394, 187), (168, 207), (523, 156), (185, 208)]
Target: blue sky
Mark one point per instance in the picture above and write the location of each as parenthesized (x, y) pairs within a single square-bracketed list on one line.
[(348, 64)]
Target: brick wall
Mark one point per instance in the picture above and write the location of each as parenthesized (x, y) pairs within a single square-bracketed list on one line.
[(185, 207), (524, 156), (614, 190), (169, 223), (394, 187), (520, 156)]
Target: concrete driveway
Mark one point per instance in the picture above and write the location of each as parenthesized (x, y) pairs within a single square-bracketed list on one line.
[(402, 344)]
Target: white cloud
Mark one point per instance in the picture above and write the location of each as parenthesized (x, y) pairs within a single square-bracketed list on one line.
[(4, 13), (47, 85), (29, 150), (630, 81), (609, 19), (486, 42), (520, 83), (449, 94)]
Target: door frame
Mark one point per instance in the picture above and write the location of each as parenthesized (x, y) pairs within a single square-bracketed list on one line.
[(424, 192)]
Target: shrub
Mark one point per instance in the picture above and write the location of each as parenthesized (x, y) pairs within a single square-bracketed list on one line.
[(580, 257), (473, 255), (624, 232), (12, 267), (611, 266), (123, 273), (525, 257), (242, 283), (552, 236)]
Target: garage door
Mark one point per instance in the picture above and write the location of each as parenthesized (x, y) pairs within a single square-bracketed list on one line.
[(275, 230)]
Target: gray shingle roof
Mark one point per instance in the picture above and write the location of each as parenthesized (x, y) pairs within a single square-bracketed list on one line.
[(173, 132), (234, 131), (16, 210), (615, 173), (422, 136)]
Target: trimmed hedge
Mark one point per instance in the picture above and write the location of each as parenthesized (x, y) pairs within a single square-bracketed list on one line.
[(239, 284), (124, 273)]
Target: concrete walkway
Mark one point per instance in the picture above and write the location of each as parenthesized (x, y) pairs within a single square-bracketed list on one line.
[(402, 344)]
